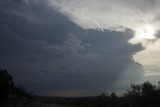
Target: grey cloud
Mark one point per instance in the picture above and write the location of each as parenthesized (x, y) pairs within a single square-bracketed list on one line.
[(71, 46), (22, 18), (44, 50)]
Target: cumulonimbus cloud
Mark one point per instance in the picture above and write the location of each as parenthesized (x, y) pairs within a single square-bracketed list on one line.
[(112, 14), (45, 50)]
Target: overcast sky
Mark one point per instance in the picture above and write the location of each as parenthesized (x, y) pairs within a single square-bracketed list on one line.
[(80, 47)]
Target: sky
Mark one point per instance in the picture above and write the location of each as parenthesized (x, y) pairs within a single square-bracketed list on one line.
[(80, 47)]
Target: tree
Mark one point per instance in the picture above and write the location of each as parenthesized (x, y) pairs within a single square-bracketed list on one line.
[(114, 100), (6, 84), (148, 89), (144, 94), (113, 95), (135, 90)]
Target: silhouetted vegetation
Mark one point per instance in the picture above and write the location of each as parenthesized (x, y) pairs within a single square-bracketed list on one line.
[(143, 95), (14, 96), (139, 95), (6, 84)]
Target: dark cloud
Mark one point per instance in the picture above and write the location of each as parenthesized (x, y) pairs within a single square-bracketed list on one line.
[(44, 50)]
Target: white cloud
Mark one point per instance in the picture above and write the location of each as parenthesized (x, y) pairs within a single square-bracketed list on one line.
[(108, 13)]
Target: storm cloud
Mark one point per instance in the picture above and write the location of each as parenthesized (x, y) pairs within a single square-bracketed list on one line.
[(47, 52)]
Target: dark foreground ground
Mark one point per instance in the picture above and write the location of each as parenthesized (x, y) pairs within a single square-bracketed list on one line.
[(51, 105)]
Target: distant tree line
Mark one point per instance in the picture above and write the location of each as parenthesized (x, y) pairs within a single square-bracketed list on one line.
[(12, 95), (139, 95)]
